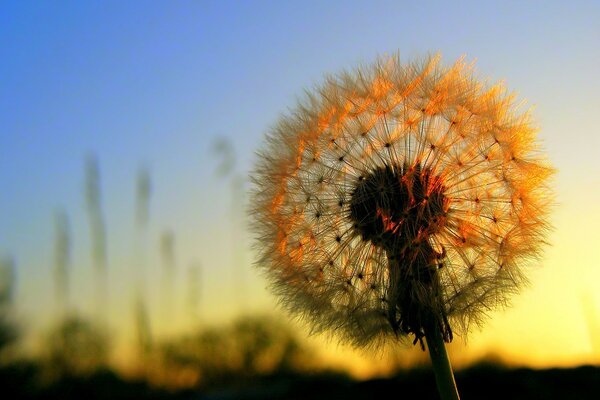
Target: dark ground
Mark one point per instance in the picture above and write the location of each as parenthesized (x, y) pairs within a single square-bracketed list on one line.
[(21, 381)]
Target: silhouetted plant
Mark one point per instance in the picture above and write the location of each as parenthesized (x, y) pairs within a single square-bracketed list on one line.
[(8, 330), (142, 326), (228, 168), (75, 346), (167, 251), (250, 347), (93, 200), (62, 254), (194, 292)]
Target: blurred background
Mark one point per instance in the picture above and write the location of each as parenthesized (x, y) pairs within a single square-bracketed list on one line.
[(127, 132)]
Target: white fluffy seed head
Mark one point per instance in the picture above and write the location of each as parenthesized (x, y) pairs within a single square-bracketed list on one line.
[(422, 116)]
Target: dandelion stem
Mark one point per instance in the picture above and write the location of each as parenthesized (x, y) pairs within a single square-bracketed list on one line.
[(444, 376)]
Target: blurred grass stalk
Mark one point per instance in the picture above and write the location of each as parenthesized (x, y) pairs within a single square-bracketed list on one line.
[(62, 250), (227, 168), (167, 250), (141, 316), (193, 300), (7, 281), (97, 233)]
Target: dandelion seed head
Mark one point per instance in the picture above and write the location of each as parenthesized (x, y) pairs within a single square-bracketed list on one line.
[(398, 196)]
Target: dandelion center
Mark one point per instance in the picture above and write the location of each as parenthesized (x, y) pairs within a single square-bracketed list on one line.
[(397, 207)]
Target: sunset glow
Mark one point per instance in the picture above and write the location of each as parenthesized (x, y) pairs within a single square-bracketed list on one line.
[(128, 133)]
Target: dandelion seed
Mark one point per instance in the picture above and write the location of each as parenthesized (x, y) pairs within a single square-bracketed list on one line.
[(440, 201)]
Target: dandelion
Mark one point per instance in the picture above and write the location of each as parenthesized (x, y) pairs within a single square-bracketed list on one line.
[(400, 201)]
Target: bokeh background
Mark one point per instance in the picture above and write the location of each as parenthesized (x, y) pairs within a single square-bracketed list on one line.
[(127, 132)]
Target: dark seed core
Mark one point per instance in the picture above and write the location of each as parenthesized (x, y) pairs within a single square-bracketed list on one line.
[(396, 206)]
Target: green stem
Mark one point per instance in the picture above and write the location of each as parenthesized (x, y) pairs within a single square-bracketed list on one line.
[(441, 364)]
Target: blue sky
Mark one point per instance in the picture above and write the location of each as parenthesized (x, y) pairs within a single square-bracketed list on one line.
[(153, 83)]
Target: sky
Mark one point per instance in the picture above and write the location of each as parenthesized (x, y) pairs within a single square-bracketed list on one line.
[(154, 84)]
